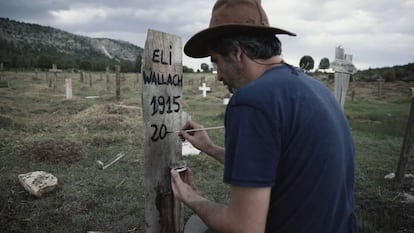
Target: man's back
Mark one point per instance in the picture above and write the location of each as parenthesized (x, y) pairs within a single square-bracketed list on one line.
[(288, 132)]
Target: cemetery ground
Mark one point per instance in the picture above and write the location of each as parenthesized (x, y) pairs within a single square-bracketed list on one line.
[(42, 130)]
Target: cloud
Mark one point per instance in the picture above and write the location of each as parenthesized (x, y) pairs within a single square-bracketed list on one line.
[(376, 32), (79, 16)]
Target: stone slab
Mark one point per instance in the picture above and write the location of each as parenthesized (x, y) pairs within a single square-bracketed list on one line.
[(38, 183)]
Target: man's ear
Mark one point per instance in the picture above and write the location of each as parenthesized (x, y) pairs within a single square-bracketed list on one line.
[(238, 54)]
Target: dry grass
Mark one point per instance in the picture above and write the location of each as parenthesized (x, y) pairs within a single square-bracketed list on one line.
[(41, 130)]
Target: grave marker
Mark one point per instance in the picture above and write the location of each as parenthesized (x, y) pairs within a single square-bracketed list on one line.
[(162, 82), (407, 145), (341, 87), (107, 78), (3, 83), (90, 80), (54, 70), (118, 82), (204, 89), (343, 67), (380, 86), (68, 84)]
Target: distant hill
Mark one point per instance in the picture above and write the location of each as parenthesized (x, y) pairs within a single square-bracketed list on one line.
[(389, 74), (25, 45)]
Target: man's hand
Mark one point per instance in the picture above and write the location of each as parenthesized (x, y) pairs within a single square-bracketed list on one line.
[(199, 139), (183, 185)]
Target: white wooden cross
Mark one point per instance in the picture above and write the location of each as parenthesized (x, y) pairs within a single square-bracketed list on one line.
[(204, 89), (55, 69)]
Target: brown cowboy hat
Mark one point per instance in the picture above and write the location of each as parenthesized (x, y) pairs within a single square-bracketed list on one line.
[(227, 17)]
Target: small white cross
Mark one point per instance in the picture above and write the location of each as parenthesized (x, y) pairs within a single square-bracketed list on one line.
[(55, 69), (204, 89)]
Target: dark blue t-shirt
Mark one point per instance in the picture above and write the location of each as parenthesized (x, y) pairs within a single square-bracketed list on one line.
[(285, 130)]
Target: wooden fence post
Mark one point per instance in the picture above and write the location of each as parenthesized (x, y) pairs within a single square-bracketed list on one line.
[(162, 82), (407, 145)]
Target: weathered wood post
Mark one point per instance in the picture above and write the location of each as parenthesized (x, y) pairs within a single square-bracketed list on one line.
[(54, 70), (341, 86), (90, 80), (118, 82), (407, 145), (48, 80), (107, 78), (380, 86), (68, 85), (1, 70), (162, 82), (343, 67)]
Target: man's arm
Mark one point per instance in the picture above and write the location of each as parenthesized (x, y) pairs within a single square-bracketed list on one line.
[(246, 212)]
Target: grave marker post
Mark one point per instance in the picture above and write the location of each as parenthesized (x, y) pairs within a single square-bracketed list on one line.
[(54, 70), (107, 78), (118, 82), (68, 84), (1, 69), (343, 67), (380, 86), (162, 82), (341, 86), (407, 145), (90, 80), (48, 80)]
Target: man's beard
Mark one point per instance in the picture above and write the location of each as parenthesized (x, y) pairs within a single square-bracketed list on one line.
[(231, 89)]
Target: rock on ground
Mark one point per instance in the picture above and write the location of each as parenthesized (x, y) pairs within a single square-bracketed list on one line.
[(38, 183)]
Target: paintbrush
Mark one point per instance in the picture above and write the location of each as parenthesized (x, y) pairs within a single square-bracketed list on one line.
[(193, 130)]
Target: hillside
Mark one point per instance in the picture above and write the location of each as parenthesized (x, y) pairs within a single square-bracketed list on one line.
[(25, 45)]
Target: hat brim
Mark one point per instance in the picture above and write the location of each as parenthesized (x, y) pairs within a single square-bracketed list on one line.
[(197, 45)]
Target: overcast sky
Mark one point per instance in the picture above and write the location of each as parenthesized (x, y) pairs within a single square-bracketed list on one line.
[(377, 33)]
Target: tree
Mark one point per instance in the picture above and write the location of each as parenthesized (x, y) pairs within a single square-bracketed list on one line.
[(44, 62), (85, 65), (324, 63), (389, 75), (187, 69), (213, 67), (204, 67), (306, 63)]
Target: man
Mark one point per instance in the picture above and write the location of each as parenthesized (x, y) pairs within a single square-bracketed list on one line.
[(289, 153)]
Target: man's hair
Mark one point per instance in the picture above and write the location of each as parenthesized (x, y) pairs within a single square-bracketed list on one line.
[(255, 46)]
